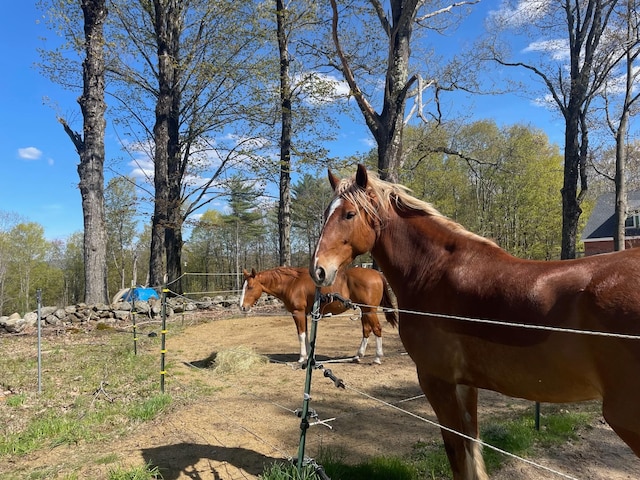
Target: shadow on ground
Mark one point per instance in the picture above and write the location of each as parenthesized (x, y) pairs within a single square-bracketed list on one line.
[(291, 358), (187, 459)]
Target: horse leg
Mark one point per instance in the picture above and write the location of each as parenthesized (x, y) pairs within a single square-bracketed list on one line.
[(300, 319), (456, 407), (362, 349), (622, 413), (370, 323)]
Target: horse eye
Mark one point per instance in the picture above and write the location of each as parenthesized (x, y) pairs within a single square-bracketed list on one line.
[(350, 214)]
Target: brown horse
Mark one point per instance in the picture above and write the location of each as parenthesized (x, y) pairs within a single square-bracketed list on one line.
[(439, 270), (295, 288)]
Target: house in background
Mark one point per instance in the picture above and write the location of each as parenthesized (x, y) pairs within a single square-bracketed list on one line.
[(598, 233)]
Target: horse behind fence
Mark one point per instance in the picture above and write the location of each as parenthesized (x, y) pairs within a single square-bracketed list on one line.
[(294, 287)]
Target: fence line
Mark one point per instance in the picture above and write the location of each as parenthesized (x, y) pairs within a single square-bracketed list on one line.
[(508, 324)]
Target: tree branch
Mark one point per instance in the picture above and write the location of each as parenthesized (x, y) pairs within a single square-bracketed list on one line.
[(369, 113), (75, 137)]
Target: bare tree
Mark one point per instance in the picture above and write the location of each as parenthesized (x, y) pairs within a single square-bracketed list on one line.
[(307, 99), (397, 27), (620, 87), (574, 64), (90, 148), (199, 61)]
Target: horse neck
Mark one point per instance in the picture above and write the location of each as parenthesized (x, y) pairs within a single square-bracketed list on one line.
[(274, 282), (412, 249)]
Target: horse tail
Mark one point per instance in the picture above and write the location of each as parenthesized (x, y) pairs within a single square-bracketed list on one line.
[(389, 302)]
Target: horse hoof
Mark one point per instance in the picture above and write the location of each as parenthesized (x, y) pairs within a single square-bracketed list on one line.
[(355, 359), (377, 361)]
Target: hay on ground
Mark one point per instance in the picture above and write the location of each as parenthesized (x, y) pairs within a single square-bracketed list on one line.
[(237, 359)]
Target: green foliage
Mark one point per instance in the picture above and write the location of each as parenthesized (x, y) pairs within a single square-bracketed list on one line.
[(16, 400), (28, 262), (150, 408), (147, 472), (503, 184), (378, 468), (120, 201), (311, 195), (430, 460), (519, 436), (287, 471)]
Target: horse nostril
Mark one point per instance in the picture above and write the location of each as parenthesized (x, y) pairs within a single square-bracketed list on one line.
[(320, 274)]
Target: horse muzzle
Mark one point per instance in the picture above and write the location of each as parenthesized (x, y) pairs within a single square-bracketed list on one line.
[(322, 277)]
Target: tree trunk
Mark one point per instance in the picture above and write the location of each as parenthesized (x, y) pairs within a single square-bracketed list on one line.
[(570, 207), (167, 169), (173, 233), (621, 133), (91, 151), (386, 126), (621, 184), (391, 120), (284, 206)]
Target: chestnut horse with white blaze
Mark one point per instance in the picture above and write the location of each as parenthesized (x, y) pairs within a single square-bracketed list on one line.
[(439, 270), (294, 286)]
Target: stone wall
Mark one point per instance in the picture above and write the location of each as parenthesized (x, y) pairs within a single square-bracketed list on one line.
[(89, 316)]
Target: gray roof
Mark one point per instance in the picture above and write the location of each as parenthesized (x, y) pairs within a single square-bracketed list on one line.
[(602, 224)]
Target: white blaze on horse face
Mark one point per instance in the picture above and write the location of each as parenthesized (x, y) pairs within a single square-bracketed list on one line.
[(333, 206), (244, 289)]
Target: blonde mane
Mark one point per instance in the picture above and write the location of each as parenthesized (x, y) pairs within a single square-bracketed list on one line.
[(393, 194)]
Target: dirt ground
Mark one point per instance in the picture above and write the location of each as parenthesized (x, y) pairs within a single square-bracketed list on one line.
[(249, 421)]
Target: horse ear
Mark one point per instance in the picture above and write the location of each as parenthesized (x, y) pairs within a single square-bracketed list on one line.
[(253, 272), (245, 273), (361, 176), (333, 180)]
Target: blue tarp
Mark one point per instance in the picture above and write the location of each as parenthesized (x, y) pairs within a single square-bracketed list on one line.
[(139, 294)]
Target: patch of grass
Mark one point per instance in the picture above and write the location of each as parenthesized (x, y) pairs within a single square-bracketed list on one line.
[(47, 430), (145, 472), (93, 388), (376, 468), (519, 436), (287, 471), (430, 460), (150, 408), (16, 400), (107, 459), (561, 427)]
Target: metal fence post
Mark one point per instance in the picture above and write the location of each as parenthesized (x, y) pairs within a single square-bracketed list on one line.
[(39, 300)]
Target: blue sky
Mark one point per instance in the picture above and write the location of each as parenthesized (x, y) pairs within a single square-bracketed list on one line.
[(39, 163)]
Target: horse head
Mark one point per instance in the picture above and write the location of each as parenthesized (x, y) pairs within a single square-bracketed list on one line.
[(251, 290), (349, 228)]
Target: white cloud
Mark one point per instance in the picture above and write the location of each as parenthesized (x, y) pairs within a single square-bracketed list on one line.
[(546, 101), (29, 153), (617, 84), (142, 168), (525, 12), (558, 48)]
